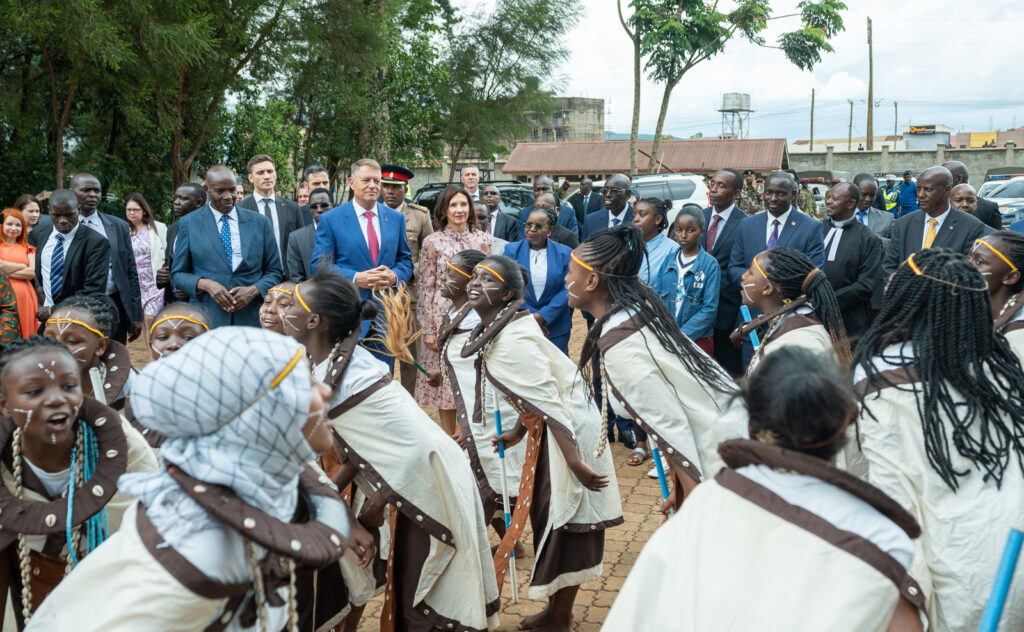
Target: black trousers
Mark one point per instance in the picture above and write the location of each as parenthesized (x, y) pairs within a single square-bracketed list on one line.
[(727, 355), (124, 322)]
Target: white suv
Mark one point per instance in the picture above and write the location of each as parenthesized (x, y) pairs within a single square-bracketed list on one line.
[(685, 190)]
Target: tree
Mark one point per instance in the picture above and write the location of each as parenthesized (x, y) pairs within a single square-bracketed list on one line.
[(676, 35), (254, 128), (634, 130), (496, 65)]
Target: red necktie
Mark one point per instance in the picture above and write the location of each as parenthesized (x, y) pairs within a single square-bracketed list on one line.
[(371, 237), (713, 231)]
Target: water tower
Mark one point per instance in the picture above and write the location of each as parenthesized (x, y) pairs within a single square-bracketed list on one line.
[(735, 115)]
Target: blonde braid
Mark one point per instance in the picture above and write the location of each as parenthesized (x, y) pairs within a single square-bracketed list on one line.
[(78, 480), (602, 435), (259, 594), (24, 563), (293, 607)]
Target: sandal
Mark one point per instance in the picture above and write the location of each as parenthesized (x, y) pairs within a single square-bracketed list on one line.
[(638, 457)]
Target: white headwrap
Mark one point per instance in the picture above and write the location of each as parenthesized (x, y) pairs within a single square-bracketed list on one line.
[(232, 404)]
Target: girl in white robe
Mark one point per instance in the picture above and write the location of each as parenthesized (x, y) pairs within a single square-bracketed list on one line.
[(568, 483), (797, 303), (942, 407), (225, 530), (780, 540), (460, 375), (440, 572), (1000, 258), (59, 453), (652, 372)]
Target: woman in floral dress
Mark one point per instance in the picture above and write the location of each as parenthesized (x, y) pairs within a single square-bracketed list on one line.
[(456, 230), (149, 240)]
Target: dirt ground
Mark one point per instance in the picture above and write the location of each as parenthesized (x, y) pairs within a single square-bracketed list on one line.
[(640, 496)]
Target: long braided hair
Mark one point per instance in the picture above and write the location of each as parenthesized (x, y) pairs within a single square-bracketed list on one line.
[(1013, 248), (971, 386), (793, 273), (616, 254)]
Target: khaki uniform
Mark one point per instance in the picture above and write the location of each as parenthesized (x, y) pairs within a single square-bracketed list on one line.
[(418, 225), (751, 199)]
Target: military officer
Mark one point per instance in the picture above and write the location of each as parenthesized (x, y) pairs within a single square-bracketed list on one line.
[(751, 199)]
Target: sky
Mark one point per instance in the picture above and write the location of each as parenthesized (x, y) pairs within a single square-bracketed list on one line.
[(945, 62)]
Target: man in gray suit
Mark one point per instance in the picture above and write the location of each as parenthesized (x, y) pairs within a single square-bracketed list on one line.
[(284, 215), (300, 242), (935, 224), (987, 211)]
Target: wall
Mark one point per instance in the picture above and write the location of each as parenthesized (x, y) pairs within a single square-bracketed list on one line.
[(885, 161)]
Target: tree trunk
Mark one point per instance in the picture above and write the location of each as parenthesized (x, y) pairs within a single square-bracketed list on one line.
[(654, 165), (634, 131)]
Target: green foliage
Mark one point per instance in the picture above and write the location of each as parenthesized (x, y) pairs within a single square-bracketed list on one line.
[(261, 128)]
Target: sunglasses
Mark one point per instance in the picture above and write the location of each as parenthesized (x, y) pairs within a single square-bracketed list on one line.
[(324, 205), (532, 226)]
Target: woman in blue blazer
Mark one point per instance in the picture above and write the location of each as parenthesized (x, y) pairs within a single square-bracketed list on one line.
[(546, 261)]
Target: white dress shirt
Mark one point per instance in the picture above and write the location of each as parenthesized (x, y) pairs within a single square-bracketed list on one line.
[(940, 219), (44, 261), (724, 215), (621, 216), (236, 235), (94, 222), (274, 219), (770, 220), (359, 210), (538, 271)]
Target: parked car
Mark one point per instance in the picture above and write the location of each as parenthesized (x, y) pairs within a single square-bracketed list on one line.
[(685, 190), (515, 195), (1010, 198)]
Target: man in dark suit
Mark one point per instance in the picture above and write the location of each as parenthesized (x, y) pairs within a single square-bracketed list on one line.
[(187, 198), (881, 222), (500, 225), (617, 209), (122, 277), (853, 257), (559, 234), (301, 242), (566, 216), (779, 225), (225, 258), (365, 241), (283, 214), (986, 211), (313, 177), (70, 259), (723, 218), (946, 227), (587, 201)]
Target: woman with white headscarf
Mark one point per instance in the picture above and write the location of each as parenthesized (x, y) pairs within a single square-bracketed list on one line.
[(219, 532)]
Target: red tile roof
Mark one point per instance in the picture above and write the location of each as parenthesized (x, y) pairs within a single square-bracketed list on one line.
[(761, 154)]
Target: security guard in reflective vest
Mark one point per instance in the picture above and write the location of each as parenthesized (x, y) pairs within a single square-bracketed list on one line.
[(889, 193)]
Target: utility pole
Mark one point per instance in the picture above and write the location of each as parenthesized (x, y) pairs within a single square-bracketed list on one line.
[(849, 140), (871, 92), (896, 119), (812, 119)]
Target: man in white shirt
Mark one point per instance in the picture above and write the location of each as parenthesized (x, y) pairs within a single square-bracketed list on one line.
[(284, 215), (470, 177)]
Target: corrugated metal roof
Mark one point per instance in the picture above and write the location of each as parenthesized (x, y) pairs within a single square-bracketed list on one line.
[(762, 154)]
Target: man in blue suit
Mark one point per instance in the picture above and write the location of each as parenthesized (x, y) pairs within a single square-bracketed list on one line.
[(566, 216), (779, 225), (225, 258), (617, 209), (586, 202), (722, 220), (365, 241)]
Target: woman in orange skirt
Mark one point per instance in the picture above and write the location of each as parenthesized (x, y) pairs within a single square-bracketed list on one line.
[(18, 261)]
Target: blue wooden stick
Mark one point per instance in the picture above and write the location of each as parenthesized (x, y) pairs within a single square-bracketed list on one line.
[(661, 471), (1001, 586), (504, 501), (753, 334)]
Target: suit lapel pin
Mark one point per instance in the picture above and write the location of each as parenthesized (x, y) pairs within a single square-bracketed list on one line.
[(792, 223)]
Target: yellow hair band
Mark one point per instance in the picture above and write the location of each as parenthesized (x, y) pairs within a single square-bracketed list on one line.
[(301, 302), (188, 318), (760, 269), (462, 272), (913, 266), (491, 270), (74, 321), (580, 261), (1013, 268), (288, 368), (918, 272), (281, 290)]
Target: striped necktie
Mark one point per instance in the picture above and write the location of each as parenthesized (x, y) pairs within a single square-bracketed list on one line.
[(774, 236), (57, 269)]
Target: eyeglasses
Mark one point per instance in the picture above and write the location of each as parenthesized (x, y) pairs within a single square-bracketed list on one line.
[(490, 193), (316, 206), (532, 226)]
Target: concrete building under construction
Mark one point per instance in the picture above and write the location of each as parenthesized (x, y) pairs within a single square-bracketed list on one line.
[(573, 120)]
